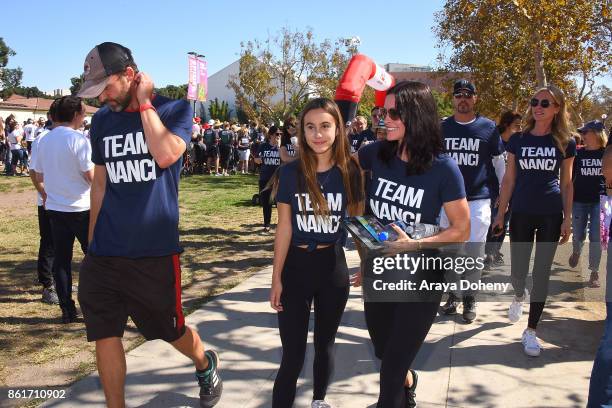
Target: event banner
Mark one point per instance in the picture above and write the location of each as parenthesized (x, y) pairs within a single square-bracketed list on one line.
[(202, 87), (193, 78)]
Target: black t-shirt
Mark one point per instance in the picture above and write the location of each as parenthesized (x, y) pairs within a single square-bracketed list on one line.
[(393, 195), (538, 161), (227, 136), (209, 136), (589, 183), (270, 160), (307, 228)]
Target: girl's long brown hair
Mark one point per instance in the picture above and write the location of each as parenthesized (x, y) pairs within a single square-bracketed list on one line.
[(341, 158)]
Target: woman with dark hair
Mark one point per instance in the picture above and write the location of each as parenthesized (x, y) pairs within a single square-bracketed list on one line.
[(411, 178), (269, 158), (538, 179), (289, 141), (314, 194), (509, 123), (64, 165)]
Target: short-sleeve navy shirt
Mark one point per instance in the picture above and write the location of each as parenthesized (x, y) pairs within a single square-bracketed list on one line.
[(472, 145), (589, 182), (307, 228), (538, 160), (139, 214), (393, 195), (270, 160)]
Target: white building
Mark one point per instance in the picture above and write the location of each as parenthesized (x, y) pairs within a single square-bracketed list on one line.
[(31, 108)]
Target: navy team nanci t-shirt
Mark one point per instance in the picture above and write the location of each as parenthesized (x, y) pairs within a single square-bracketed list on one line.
[(589, 183), (307, 228), (290, 149), (139, 214), (472, 145), (392, 195), (538, 160), (270, 160)]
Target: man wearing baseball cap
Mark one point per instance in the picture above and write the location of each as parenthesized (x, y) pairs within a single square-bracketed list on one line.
[(475, 144), (132, 268)]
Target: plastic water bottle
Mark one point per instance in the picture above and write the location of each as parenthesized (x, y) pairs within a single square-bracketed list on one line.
[(420, 230)]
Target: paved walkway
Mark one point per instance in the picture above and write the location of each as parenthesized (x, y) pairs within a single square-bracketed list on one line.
[(476, 365)]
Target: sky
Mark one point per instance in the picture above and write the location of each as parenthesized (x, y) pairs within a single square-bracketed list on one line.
[(52, 43)]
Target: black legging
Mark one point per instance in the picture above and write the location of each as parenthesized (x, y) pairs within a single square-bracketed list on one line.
[(264, 199), (547, 230), (321, 276), (398, 331)]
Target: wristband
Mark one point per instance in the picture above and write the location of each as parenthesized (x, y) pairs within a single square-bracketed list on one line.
[(146, 106)]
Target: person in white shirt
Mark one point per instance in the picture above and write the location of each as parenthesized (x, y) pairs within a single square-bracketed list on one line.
[(64, 166), (29, 131), (18, 153), (45, 249)]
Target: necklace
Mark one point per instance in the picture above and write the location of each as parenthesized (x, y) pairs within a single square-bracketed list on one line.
[(322, 184)]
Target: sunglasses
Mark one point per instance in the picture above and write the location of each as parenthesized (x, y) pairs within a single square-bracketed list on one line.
[(464, 95), (392, 112), (545, 103)]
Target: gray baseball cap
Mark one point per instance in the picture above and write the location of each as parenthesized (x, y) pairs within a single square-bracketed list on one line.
[(103, 61)]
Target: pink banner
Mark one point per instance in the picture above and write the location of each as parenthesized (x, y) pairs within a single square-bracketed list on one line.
[(193, 78), (202, 81)]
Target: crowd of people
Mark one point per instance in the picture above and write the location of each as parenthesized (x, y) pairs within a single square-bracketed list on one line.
[(114, 188), (16, 140)]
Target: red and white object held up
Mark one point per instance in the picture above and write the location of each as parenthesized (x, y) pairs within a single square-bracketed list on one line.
[(361, 71)]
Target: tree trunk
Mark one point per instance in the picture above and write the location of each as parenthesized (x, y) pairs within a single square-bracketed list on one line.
[(538, 60)]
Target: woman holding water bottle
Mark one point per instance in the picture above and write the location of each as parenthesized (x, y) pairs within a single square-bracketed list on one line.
[(412, 177)]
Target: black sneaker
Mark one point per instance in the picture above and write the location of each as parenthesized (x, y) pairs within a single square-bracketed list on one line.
[(450, 307), (211, 385), (49, 295), (498, 259), (469, 309), (411, 392)]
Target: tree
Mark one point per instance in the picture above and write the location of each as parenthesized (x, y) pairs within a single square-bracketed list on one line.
[(173, 91), (445, 105), (220, 111), (9, 78), (511, 48), (277, 76), (75, 84)]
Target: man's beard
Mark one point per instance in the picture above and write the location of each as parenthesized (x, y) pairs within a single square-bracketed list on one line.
[(464, 108), (119, 104)]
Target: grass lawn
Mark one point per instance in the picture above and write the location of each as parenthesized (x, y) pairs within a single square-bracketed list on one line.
[(220, 231)]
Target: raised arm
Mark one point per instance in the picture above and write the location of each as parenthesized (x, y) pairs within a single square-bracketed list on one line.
[(165, 147)]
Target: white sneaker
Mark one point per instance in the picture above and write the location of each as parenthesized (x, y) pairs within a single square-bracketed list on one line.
[(320, 404), (530, 343), (515, 311)]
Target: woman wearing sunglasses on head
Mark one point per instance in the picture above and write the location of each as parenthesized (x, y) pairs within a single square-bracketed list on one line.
[(539, 181), (314, 194), (411, 178), (269, 158), (289, 142)]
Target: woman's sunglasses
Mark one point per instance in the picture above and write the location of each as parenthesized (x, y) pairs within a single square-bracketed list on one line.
[(545, 103), (392, 112)]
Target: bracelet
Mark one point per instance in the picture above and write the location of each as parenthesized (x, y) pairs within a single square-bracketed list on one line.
[(146, 106)]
